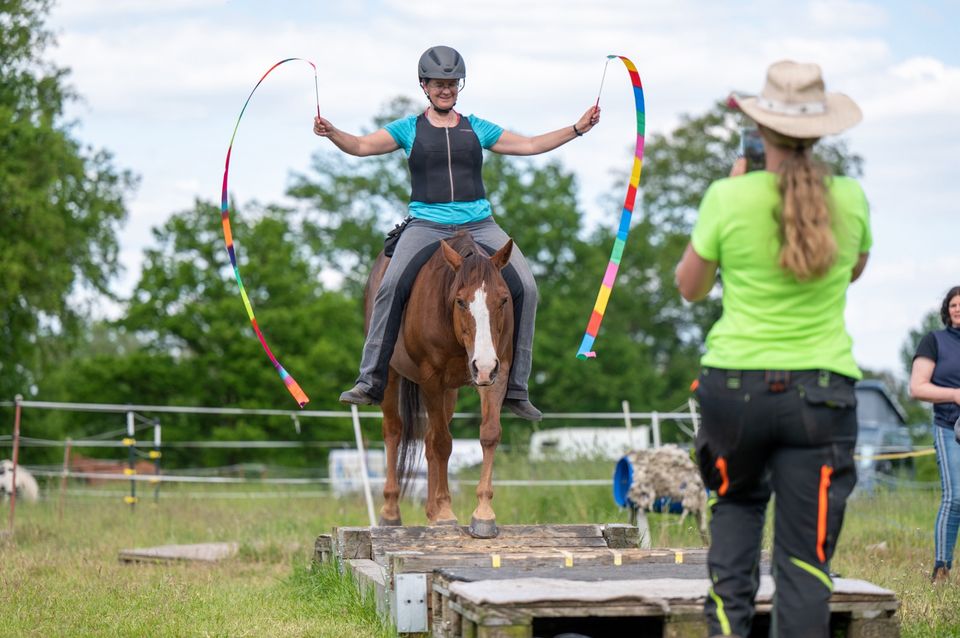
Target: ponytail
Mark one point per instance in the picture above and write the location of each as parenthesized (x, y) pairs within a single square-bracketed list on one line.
[(808, 248)]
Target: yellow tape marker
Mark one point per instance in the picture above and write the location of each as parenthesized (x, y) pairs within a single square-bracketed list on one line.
[(155, 454), (129, 442), (129, 471), (567, 558), (617, 558), (130, 500), (495, 560), (153, 481), (678, 557)]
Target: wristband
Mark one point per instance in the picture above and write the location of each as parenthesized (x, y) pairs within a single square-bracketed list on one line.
[(578, 133)]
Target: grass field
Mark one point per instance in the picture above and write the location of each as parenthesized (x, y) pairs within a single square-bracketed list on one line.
[(63, 578)]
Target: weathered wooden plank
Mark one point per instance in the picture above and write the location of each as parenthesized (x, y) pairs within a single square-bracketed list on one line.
[(619, 536), (616, 562), (196, 552), (487, 547), (352, 543), (888, 627), (323, 549), (370, 581), (446, 532)]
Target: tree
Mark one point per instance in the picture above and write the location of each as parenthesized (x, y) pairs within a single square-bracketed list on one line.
[(194, 342), (61, 205)]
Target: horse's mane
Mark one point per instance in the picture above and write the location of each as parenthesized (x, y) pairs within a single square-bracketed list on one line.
[(476, 264)]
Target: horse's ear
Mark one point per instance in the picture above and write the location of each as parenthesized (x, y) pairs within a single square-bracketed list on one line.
[(502, 257), (451, 256)]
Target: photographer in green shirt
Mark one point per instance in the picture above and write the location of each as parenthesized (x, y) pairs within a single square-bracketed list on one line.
[(776, 386)]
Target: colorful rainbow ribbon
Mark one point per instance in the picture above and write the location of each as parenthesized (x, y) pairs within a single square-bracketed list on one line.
[(610, 277), (292, 385)]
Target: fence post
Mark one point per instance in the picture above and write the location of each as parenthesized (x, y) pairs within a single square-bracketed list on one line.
[(130, 442), (626, 421), (655, 425), (694, 417), (363, 464), (155, 455), (16, 458), (63, 476)]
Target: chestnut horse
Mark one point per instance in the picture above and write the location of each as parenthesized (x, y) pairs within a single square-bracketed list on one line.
[(457, 329)]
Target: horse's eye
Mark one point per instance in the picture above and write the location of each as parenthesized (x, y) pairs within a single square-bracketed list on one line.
[(462, 303), (503, 302)]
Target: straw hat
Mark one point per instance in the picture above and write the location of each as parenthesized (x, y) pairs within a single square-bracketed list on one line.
[(794, 102)]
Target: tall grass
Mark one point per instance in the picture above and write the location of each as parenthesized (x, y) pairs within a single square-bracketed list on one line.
[(63, 577)]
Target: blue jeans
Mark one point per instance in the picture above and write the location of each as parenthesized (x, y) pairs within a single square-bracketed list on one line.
[(948, 516), (417, 244)]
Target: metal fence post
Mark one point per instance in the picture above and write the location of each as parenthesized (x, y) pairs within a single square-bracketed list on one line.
[(363, 464), (626, 421), (655, 424), (155, 455), (63, 476), (130, 442), (16, 458)]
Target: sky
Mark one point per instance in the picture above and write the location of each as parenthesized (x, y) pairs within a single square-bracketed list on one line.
[(163, 83)]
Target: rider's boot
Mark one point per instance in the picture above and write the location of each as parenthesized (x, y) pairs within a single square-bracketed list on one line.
[(522, 408)]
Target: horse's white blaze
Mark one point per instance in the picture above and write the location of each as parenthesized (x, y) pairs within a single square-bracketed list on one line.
[(484, 354)]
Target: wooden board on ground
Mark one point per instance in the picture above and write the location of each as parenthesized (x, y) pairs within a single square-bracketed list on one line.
[(199, 552)]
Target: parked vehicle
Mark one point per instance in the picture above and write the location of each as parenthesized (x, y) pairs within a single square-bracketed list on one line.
[(882, 432)]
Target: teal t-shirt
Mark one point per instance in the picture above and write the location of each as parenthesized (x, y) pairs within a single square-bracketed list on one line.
[(770, 320), (404, 131)]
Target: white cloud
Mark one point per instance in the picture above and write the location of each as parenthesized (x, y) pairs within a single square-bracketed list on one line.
[(74, 9), (164, 83), (919, 86), (847, 14)]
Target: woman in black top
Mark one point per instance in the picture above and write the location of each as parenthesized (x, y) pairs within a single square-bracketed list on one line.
[(935, 377)]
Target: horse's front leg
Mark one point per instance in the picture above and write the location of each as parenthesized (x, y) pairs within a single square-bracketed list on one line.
[(392, 431), (438, 443), (483, 523)]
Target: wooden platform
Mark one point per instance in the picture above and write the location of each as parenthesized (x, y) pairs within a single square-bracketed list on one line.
[(544, 580), (199, 552)]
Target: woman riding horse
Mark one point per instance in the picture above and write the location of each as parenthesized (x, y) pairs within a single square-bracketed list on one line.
[(445, 155)]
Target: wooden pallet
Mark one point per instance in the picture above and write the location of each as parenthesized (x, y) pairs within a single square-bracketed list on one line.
[(662, 600), (541, 580), (396, 564)]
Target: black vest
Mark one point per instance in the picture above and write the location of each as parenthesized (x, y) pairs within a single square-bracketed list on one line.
[(445, 163), (946, 374)]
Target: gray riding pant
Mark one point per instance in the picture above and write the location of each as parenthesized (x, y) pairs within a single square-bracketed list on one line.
[(416, 245)]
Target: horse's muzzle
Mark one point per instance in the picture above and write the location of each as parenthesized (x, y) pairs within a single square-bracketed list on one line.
[(484, 375)]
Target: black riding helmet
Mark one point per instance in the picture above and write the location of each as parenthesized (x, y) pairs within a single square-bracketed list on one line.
[(441, 63)]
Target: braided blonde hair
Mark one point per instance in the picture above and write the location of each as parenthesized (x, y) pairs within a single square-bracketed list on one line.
[(808, 248)]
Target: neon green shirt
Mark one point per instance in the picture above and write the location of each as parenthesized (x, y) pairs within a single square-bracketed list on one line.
[(770, 320)]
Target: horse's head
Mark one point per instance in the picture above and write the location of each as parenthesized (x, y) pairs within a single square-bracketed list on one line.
[(482, 308)]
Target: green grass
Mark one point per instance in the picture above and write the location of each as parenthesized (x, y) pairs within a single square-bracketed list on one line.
[(63, 577)]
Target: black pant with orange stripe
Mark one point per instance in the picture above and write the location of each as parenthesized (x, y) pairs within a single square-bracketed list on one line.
[(790, 434)]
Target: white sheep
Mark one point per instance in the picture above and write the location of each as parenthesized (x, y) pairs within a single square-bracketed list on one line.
[(27, 487), (667, 471)]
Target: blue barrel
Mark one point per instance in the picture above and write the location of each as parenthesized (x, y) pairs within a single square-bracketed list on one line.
[(622, 480)]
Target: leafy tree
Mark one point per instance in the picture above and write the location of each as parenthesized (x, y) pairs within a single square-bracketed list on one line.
[(350, 203), (61, 205), (195, 345)]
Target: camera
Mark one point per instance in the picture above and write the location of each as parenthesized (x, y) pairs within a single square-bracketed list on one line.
[(751, 148)]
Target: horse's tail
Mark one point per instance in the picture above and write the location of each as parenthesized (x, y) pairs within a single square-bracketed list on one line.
[(414, 426)]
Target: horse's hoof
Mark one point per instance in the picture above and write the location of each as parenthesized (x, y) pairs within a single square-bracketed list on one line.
[(389, 522), (447, 522), (483, 529)]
